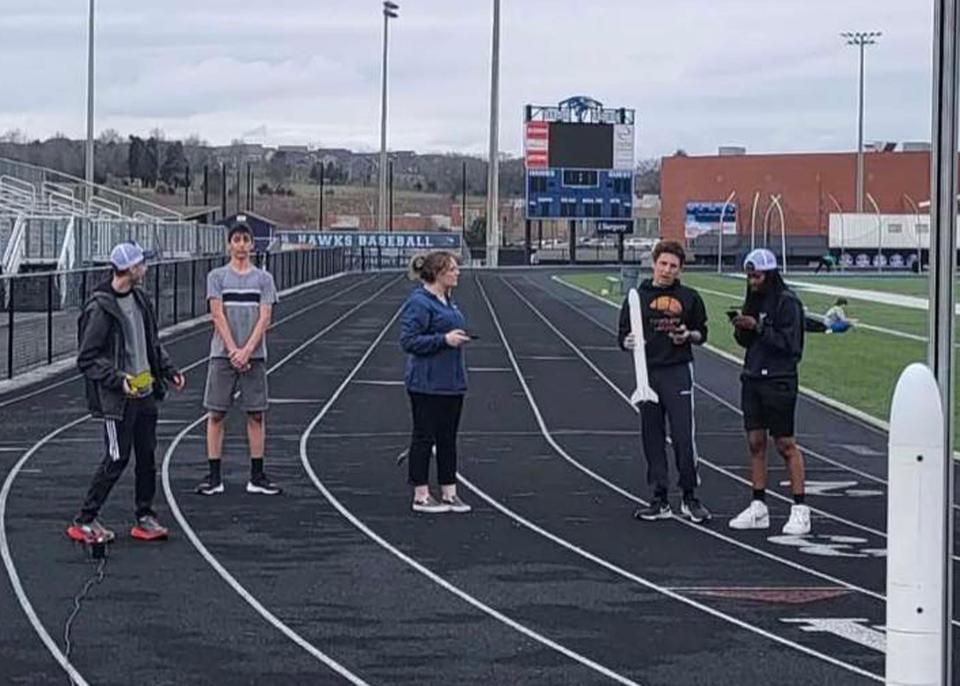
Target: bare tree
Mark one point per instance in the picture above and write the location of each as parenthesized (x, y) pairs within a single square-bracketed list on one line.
[(15, 136), (647, 177), (109, 137)]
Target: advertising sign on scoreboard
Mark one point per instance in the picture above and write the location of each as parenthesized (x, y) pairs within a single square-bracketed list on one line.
[(537, 144), (623, 146), (614, 226)]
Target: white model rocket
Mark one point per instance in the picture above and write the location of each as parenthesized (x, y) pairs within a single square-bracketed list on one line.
[(916, 550), (643, 394)]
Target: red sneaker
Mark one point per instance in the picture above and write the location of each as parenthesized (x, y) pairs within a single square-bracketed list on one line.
[(148, 528), (90, 533)]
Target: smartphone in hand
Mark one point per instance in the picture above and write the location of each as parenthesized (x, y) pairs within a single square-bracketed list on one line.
[(732, 314)]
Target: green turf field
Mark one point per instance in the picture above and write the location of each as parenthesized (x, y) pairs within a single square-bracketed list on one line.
[(859, 368), (892, 317)]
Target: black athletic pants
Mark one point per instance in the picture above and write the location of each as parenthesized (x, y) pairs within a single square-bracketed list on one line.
[(674, 386), (436, 419), (137, 432)]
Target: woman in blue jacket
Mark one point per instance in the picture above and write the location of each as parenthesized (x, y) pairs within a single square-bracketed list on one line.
[(432, 334)]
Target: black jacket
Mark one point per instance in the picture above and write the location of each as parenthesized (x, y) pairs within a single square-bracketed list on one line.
[(775, 349), (663, 310), (100, 357)]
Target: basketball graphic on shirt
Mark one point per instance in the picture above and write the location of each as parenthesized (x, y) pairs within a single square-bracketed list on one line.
[(667, 305), (666, 313)]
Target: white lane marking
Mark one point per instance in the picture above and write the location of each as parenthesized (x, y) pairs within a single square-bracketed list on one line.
[(548, 435), (956, 506), (852, 629), (250, 599), (12, 569), (619, 571), (386, 545), (22, 597)]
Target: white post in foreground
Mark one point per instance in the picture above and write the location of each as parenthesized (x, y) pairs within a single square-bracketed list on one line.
[(915, 550), (943, 251)]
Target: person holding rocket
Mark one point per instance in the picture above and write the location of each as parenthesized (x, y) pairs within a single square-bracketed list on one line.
[(669, 319)]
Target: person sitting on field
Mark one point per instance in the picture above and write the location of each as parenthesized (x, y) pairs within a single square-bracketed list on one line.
[(836, 319)]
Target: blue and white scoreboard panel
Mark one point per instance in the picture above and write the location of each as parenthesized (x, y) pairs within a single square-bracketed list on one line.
[(579, 194)]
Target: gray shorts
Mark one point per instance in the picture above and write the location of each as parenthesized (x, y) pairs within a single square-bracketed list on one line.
[(224, 381)]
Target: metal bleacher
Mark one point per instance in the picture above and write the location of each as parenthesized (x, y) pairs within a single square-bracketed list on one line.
[(54, 221)]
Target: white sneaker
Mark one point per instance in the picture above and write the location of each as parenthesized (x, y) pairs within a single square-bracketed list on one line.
[(756, 516), (799, 522), (430, 505), (455, 504)]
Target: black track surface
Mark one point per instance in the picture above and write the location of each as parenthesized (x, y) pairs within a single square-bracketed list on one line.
[(548, 581)]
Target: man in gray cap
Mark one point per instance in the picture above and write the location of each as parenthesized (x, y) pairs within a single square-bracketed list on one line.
[(126, 370), (770, 327)]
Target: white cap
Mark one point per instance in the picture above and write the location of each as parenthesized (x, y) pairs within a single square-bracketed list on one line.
[(761, 260), (126, 255)]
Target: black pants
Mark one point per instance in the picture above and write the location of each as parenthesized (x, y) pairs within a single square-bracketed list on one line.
[(435, 422), (674, 386), (137, 432)]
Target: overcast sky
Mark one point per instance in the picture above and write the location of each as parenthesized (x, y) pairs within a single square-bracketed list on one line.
[(772, 75)]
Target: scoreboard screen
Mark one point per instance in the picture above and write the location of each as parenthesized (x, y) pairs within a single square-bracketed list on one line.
[(581, 146)]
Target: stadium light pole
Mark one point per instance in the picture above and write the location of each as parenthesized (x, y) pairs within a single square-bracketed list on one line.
[(390, 11), (860, 39), (88, 176), (493, 171)]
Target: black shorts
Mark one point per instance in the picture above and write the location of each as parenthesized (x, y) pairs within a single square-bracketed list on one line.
[(769, 404)]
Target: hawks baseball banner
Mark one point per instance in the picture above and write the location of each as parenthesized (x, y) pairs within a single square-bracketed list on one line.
[(433, 240)]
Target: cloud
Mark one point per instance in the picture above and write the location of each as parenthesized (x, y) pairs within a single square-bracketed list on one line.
[(768, 75)]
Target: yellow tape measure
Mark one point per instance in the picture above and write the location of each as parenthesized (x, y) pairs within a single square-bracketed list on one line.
[(140, 382)]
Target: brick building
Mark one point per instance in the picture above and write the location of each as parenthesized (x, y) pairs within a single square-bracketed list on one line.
[(810, 188)]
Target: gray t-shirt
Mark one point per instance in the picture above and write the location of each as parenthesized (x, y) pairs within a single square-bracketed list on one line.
[(242, 295), (135, 360)]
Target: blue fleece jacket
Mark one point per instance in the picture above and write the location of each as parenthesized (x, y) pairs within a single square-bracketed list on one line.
[(432, 365)]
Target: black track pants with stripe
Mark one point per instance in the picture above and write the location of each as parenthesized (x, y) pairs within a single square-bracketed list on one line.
[(674, 386), (137, 432)]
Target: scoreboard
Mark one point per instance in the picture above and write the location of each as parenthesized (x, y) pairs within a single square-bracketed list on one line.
[(579, 159)]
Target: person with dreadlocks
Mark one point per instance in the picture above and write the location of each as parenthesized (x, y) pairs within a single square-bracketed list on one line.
[(770, 327)]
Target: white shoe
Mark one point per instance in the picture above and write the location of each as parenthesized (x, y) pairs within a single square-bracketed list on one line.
[(799, 522), (430, 505), (455, 504), (756, 516)]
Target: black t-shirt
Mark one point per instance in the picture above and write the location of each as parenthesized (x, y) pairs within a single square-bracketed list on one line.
[(663, 310)]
